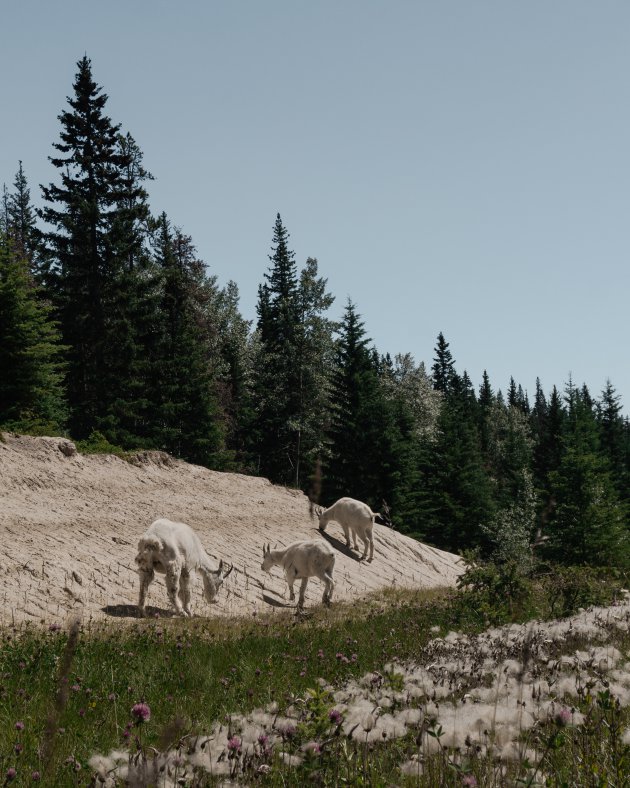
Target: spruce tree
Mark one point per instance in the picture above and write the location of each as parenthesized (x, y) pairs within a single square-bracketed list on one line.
[(314, 353), (613, 439), (31, 383), (187, 421), (234, 376), (589, 522), (80, 213), (485, 401), (363, 430), (132, 299), (277, 385), (550, 419), (415, 406), (458, 499), (21, 219), (443, 368)]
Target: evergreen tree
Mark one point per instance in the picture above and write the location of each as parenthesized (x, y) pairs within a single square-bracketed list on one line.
[(512, 394), (458, 493), (292, 367), (21, 227), (538, 422), (517, 398), (458, 499), (588, 525), (187, 423), (416, 407), (362, 433), (485, 401), (234, 375), (131, 295), (80, 213), (486, 395), (549, 425), (443, 368), (315, 353), (5, 223), (613, 440), (277, 383), (31, 383)]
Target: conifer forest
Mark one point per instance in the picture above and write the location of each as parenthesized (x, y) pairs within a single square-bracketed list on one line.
[(113, 332)]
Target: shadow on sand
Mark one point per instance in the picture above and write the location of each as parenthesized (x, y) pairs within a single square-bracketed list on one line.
[(131, 611), (339, 545), (276, 602)]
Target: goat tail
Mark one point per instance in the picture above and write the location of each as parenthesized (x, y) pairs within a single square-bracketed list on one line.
[(383, 518)]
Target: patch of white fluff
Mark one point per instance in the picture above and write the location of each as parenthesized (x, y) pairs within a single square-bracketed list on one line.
[(389, 727), (249, 735), (565, 685), (621, 692), (525, 688), (101, 765), (621, 676), (290, 760), (412, 768), (262, 718), (511, 667), (410, 716), (516, 751), (357, 715), (605, 657)]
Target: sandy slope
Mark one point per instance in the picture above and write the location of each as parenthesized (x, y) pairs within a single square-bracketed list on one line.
[(69, 526)]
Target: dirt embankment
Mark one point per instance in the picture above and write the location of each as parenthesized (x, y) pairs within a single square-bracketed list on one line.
[(69, 526)]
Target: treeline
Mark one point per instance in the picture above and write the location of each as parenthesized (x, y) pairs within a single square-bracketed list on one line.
[(111, 328)]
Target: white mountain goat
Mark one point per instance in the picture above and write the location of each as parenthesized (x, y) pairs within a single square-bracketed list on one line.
[(174, 549), (354, 517), (301, 560)]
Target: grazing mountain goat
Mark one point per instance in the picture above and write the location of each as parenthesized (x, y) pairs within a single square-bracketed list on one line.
[(301, 560), (354, 517), (174, 549)]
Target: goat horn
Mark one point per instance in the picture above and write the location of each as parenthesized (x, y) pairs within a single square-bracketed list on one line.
[(228, 571), (220, 565)]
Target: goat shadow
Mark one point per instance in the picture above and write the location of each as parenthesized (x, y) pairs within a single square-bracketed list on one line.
[(132, 611), (340, 546), (276, 602)]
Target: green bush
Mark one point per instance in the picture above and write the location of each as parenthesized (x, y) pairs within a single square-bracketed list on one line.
[(97, 443)]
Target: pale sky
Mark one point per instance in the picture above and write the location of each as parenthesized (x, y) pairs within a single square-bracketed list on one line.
[(454, 166)]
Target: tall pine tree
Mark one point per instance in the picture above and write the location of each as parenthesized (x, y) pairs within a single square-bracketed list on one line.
[(277, 384), (80, 212), (188, 422), (588, 523), (363, 428), (31, 383)]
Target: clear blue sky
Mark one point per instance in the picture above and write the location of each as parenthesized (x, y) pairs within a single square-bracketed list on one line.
[(461, 167)]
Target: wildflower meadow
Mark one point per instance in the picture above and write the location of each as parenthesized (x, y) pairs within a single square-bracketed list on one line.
[(402, 688)]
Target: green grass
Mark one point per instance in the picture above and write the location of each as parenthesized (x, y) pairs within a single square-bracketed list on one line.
[(73, 690)]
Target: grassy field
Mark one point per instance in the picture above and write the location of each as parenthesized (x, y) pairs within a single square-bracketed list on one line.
[(373, 693)]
